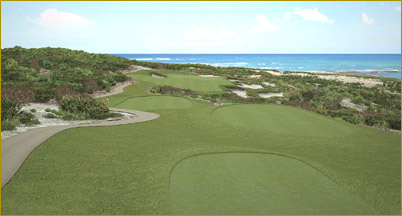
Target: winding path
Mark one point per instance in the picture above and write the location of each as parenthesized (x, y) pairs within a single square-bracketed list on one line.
[(15, 150)]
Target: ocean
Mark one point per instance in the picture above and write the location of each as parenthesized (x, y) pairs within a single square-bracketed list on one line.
[(383, 65)]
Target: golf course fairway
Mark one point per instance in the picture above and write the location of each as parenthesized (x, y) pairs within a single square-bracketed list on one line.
[(254, 183), (182, 80), (156, 103), (280, 119), (176, 164)]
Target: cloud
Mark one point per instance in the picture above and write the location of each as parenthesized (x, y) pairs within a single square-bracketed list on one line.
[(288, 15), (366, 19), (262, 24), (398, 8), (313, 15), (54, 19)]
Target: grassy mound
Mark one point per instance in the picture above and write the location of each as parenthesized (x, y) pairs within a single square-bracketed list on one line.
[(182, 80), (249, 183), (155, 103), (281, 119)]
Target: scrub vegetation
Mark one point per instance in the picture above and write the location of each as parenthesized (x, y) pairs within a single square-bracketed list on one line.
[(40, 75), (382, 103)]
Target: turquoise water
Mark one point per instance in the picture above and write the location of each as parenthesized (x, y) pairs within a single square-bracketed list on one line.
[(384, 65)]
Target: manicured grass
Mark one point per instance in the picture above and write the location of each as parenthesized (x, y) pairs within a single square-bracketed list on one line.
[(281, 119), (254, 183), (126, 169), (148, 103), (184, 81)]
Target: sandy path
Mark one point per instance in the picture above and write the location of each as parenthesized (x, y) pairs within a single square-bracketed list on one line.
[(135, 68), (115, 90), (15, 150), (118, 88)]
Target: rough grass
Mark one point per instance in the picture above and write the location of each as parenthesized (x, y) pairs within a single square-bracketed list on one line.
[(182, 80), (125, 169), (253, 183)]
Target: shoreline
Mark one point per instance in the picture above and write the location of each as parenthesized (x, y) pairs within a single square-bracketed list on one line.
[(363, 72)]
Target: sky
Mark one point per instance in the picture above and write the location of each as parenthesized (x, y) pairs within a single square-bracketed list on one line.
[(204, 27)]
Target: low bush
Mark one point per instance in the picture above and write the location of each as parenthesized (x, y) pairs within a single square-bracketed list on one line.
[(70, 116), (10, 124), (32, 122), (119, 77), (87, 107), (50, 116), (33, 110), (56, 112), (10, 107), (44, 94), (26, 117)]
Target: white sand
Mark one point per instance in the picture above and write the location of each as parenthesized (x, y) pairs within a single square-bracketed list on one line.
[(347, 103), (157, 76), (275, 73), (45, 122), (233, 80), (269, 84), (268, 95), (252, 86), (241, 93), (390, 92), (345, 79), (255, 76), (135, 68), (208, 75)]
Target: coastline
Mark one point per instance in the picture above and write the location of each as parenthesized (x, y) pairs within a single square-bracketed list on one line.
[(377, 65)]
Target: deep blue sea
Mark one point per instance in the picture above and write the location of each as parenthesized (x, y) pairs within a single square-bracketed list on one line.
[(384, 65)]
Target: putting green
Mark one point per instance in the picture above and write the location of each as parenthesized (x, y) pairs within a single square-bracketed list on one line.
[(281, 119), (184, 81), (155, 103), (255, 183)]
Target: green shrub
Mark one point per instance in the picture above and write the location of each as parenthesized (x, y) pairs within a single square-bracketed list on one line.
[(56, 112), (394, 122), (32, 122), (25, 117), (10, 124), (119, 77), (87, 107), (70, 116), (33, 110), (50, 115), (10, 107), (44, 94), (354, 119)]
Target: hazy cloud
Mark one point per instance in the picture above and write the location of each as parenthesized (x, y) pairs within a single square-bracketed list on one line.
[(367, 19), (313, 15), (54, 19), (262, 24)]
